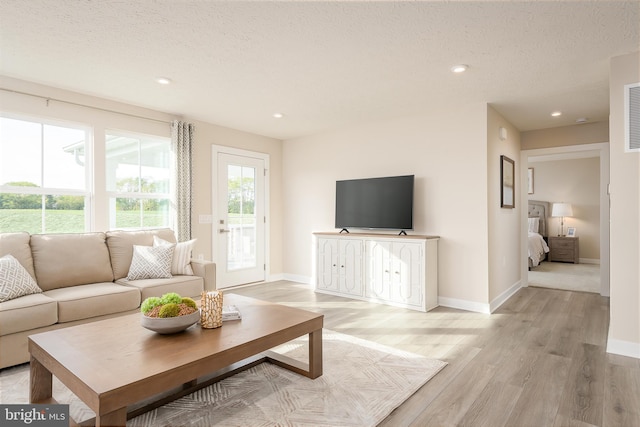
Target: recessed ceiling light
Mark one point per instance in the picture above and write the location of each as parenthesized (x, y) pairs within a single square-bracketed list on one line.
[(459, 68), (278, 115), (556, 113), (582, 120), (163, 80)]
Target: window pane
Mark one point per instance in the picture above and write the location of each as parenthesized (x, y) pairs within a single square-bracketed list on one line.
[(42, 214), (138, 164), (20, 152), (241, 218), (123, 160), (46, 190), (64, 214), (64, 158), (137, 213), (139, 179)]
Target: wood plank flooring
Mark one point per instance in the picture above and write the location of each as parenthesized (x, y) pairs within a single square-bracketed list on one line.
[(540, 360)]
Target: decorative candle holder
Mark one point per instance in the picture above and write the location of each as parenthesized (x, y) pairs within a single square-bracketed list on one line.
[(211, 309)]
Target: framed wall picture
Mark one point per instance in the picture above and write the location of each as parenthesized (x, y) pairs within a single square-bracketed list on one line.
[(508, 180), (571, 232), (530, 178)]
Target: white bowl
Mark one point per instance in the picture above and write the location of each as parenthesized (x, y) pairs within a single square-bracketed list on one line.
[(170, 325)]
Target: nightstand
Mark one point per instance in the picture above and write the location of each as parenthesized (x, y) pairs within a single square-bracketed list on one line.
[(564, 249)]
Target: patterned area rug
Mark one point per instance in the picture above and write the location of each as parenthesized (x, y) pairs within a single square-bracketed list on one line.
[(362, 383)]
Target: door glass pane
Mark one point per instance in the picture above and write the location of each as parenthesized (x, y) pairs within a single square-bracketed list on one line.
[(241, 242)]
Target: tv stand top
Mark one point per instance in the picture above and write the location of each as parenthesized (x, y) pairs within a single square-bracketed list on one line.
[(379, 235)]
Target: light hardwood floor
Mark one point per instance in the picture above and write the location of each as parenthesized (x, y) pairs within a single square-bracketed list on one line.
[(539, 360)]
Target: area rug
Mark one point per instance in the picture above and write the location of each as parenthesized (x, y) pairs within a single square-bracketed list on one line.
[(362, 383)]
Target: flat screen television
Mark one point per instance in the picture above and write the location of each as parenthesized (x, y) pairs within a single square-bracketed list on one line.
[(384, 203)]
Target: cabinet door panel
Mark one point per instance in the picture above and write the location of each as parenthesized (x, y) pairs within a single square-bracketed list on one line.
[(327, 268), (350, 267), (406, 286), (378, 273)]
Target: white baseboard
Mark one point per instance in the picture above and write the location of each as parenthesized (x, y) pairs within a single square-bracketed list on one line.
[(461, 304), (503, 297), (297, 278), (623, 348), (275, 277)]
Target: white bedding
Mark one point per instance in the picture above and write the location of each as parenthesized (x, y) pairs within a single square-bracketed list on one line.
[(537, 248)]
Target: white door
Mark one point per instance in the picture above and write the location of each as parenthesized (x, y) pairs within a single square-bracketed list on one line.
[(239, 220)]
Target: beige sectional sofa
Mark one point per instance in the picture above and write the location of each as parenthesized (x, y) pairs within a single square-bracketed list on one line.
[(83, 278)]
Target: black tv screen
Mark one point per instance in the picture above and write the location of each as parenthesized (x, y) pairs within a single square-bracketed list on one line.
[(385, 203)]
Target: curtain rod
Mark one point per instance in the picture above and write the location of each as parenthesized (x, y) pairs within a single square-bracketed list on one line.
[(47, 98)]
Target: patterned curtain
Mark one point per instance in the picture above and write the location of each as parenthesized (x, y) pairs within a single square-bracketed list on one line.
[(181, 144)]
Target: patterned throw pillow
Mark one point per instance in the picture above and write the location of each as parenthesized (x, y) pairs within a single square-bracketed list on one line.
[(14, 280), (181, 255), (151, 262)]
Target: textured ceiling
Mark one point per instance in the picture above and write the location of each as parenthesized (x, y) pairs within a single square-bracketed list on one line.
[(324, 64)]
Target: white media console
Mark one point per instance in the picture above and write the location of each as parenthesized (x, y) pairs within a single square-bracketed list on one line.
[(389, 269)]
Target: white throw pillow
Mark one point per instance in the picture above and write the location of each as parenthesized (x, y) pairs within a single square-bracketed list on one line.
[(181, 255), (534, 223), (151, 262), (15, 281)]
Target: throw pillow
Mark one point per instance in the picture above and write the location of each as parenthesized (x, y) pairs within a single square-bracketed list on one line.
[(181, 263), (14, 279), (151, 262)]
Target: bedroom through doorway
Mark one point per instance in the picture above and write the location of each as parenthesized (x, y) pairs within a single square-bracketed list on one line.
[(589, 196)]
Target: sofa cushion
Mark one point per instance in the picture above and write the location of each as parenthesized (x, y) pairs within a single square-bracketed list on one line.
[(121, 246), (151, 262), (62, 260), (97, 299), (26, 313), (186, 286), (181, 263), (17, 244), (14, 280)]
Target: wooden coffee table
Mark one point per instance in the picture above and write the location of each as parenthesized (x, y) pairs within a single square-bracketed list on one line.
[(120, 369)]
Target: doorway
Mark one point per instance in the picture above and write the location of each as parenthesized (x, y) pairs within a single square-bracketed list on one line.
[(239, 216), (600, 150)]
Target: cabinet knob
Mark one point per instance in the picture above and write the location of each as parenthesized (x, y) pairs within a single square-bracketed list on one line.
[(334, 265), (342, 266)]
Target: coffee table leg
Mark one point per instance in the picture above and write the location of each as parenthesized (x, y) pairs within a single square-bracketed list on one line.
[(117, 418), (40, 382), (315, 354)]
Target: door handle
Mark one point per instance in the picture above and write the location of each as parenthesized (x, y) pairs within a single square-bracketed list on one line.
[(222, 230)]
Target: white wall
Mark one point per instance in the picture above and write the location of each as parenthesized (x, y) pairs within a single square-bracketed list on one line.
[(624, 326), (444, 149), (504, 223)]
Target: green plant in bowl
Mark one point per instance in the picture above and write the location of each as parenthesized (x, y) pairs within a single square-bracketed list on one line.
[(169, 313)]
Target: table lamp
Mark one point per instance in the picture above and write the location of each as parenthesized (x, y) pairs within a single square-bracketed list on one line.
[(561, 210)]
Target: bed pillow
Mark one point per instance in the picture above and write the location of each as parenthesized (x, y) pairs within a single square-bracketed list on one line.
[(151, 262), (534, 223), (181, 263), (14, 280)]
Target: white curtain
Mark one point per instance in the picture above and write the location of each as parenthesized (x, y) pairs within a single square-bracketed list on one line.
[(182, 146)]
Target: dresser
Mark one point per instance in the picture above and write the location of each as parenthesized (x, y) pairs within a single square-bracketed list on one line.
[(564, 249)]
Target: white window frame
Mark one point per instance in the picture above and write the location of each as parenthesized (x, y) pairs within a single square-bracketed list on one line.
[(87, 193), (112, 195)]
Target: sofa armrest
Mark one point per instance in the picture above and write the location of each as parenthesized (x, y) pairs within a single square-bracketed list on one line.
[(206, 270)]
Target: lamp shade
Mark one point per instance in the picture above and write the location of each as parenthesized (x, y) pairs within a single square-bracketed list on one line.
[(561, 209)]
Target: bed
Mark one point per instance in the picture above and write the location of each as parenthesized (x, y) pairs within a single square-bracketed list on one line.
[(537, 231)]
